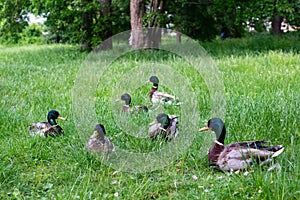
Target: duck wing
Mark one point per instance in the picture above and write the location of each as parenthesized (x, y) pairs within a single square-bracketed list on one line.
[(164, 95), (44, 129), (173, 131), (154, 130), (108, 145), (260, 144), (165, 98), (54, 131), (140, 108), (134, 109), (96, 145), (242, 155), (169, 133), (39, 128)]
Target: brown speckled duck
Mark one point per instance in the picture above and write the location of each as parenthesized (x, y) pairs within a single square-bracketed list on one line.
[(99, 142), (131, 109), (165, 126), (50, 128), (239, 155), (160, 97)]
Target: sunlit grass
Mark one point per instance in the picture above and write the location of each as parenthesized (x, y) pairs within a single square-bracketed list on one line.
[(262, 96)]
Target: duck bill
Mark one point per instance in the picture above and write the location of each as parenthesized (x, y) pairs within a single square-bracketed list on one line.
[(62, 118), (154, 122), (117, 100), (95, 134), (148, 81), (206, 128)]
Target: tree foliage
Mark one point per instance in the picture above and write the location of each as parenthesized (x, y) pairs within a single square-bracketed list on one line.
[(199, 19), (64, 19), (13, 19), (239, 14), (194, 19)]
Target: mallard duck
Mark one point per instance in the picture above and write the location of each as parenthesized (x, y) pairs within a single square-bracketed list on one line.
[(131, 109), (164, 125), (50, 128), (160, 97), (99, 142), (239, 155)]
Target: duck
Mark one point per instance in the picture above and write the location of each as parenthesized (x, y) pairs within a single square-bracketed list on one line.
[(160, 97), (98, 142), (131, 109), (239, 155), (164, 125), (49, 128)]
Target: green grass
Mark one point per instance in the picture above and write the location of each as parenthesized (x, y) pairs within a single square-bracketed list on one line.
[(261, 80)]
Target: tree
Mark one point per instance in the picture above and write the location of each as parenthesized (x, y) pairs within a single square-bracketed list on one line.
[(105, 13), (276, 19), (195, 19), (13, 19), (64, 19), (284, 9), (137, 9), (256, 13), (154, 19), (96, 24), (87, 22)]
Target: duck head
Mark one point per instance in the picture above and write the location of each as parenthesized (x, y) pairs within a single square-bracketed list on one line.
[(99, 132), (53, 115), (163, 119), (154, 80), (216, 125), (127, 98)]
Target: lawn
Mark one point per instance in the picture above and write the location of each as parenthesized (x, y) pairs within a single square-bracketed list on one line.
[(260, 91)]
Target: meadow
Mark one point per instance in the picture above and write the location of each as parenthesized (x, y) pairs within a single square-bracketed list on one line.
[(261, 87)]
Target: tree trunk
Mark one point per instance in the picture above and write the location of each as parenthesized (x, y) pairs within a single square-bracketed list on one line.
[(178, 36), (276, 25), (105, 6), (154, 31), (137, 9), (86, 27), (276, 21)]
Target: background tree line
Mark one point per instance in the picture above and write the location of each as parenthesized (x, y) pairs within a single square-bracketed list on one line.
[(88, 22)]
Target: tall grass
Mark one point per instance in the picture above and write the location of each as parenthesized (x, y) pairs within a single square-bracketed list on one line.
[(254, 45), (261, 80)]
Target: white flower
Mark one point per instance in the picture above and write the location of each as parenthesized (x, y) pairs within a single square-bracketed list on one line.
[(195, 177)]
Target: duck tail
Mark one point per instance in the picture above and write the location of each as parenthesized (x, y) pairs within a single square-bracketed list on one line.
[(279, 151), (145, 108), (31, 126)]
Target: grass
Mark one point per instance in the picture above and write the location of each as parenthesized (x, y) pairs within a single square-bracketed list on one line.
[(261, 80)]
